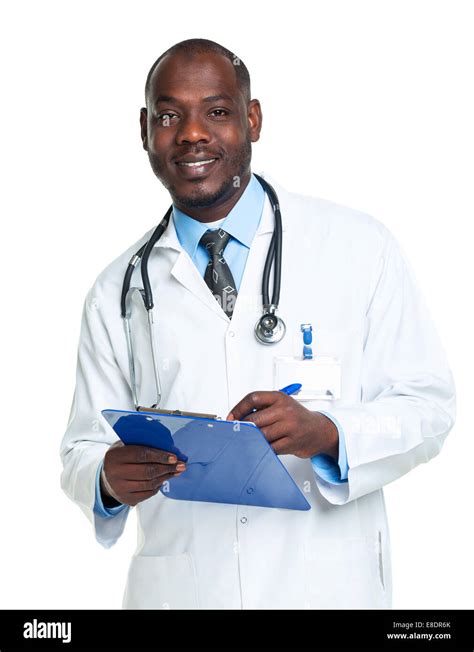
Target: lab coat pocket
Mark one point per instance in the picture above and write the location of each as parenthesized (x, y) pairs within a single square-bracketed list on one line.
[(341, 573), (161, 582), (336, 363)]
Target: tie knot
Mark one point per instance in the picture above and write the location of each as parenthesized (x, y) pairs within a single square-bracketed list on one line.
[(215, 241)]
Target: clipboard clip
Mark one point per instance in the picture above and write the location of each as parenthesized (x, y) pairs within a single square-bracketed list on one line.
[(178, 413)]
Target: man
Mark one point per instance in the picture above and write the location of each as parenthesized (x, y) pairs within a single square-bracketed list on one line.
[(344, 274)]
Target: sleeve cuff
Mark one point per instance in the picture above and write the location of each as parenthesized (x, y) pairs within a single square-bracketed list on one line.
[(99, 507), (325, 466)]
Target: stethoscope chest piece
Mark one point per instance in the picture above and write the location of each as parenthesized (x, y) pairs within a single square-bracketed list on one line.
[(270, 329)]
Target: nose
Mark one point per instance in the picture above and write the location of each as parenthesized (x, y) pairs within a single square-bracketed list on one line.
[(192, 130)]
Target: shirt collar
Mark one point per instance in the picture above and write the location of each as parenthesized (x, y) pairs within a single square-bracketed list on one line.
[(241, 223)]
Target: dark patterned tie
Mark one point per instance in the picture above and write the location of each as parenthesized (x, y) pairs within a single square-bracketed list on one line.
[(218, 275)]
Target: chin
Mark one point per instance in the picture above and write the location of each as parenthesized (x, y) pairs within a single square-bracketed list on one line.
[(201, 195)]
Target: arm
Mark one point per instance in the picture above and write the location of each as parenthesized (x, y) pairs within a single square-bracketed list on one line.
[(100, 474), (333, 468), (99, 384), (407, 402), (105, 505)]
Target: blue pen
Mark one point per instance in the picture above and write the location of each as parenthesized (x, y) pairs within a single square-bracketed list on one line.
[(291, 389)]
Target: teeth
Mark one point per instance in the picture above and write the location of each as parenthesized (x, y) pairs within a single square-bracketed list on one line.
[(197, 163)]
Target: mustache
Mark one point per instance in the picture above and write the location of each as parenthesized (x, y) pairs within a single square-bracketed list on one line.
[(204, 153)]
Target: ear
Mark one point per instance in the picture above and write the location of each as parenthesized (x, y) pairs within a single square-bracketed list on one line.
[(254, 116), (144, 128)]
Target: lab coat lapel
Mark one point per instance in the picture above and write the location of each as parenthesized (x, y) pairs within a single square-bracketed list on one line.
[(186, 273)]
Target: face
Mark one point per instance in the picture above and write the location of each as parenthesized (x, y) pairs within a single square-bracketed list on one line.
[(198, 128)]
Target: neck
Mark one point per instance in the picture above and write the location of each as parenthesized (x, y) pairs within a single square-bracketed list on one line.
[(219, 209)]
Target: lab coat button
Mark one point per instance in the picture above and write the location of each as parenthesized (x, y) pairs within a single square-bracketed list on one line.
[(231, 334), (243, 520), (250, 490)]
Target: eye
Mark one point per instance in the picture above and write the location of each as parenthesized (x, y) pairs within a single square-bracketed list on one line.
[(166, 118), (219, 113)]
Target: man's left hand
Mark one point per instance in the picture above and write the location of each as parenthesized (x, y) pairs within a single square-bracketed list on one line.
[(290, 428)]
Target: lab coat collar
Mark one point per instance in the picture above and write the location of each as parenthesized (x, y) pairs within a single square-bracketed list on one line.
[(241, 223), (267, 223), (185, 271)]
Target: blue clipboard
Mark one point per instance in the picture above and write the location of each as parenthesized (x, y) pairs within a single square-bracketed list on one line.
[(227, 461)]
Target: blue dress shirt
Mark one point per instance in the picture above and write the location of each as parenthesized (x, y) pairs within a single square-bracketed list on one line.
[(241, 223), (99, 507)]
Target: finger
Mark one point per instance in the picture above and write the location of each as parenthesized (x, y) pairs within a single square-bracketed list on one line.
[(266, 417), (275, 431), (253, 401), (133, 487), (132, 454), (132, 498), (282, 446), (138, 497), (139, 472)]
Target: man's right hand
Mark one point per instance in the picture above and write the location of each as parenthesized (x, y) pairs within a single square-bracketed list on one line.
[(131, 474)]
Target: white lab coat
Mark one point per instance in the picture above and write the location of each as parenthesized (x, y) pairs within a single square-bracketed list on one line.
[(344, 273)]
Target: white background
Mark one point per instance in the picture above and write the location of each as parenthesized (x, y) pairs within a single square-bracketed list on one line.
[(368, 103)]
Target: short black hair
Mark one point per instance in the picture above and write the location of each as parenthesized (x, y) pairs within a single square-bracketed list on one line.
[(194, 46)]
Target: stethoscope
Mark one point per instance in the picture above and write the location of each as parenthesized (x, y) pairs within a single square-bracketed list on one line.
[(269, 329)]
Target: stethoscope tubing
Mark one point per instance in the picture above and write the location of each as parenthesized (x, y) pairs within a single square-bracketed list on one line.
[(274, 256)]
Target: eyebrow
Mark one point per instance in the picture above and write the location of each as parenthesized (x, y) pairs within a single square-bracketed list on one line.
[(215, 98), (209, 98)]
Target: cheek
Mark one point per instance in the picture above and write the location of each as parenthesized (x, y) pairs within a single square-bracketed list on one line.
[(232, 135), (235, 146), (161, 140)]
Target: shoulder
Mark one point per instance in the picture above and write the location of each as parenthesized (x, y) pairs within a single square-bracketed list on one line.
[(319, 217), (108, 283)]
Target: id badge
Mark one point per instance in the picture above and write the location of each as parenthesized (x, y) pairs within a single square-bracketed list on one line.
[(320, 376)]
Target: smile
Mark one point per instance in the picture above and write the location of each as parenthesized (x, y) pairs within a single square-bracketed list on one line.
[(197, 163)]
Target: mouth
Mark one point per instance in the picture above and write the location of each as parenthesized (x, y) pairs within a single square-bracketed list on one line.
[(196, 163), (193, 169)]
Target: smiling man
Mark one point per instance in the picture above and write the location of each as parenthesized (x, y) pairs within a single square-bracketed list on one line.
[(341, 439), (199, 161)]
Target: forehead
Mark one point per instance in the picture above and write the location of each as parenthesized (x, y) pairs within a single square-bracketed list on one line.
[(188, 77)]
